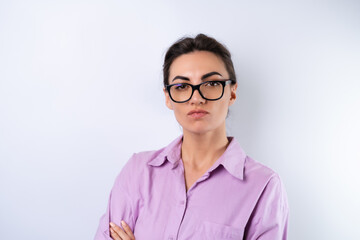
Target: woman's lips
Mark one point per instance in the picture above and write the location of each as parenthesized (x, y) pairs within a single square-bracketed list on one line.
[(196, 114)]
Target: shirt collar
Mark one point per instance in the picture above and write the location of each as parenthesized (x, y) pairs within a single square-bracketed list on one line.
[(171, 153), (233, 159)]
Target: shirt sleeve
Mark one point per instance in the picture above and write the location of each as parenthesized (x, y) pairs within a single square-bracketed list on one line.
[(120, 204), (269, 219)]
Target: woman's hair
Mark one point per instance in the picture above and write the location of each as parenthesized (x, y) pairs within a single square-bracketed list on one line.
[(200, 43)]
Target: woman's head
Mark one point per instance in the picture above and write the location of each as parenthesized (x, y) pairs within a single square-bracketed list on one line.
[(200, 43), (194, 71)]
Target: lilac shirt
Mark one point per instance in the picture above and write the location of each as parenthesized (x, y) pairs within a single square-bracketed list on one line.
[(237, 198)]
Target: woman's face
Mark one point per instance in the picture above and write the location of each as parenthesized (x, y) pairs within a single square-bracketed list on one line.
[(195, 68)]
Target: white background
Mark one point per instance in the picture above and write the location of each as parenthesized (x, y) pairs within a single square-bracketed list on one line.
[(81, 90)]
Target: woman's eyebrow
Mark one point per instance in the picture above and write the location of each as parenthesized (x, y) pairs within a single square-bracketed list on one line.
[(180, 77), (210, 74), (202, 78)]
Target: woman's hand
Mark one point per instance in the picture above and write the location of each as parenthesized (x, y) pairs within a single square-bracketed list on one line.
[(117, 233)]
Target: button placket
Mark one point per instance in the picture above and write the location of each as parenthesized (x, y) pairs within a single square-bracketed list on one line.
[(180, 201)]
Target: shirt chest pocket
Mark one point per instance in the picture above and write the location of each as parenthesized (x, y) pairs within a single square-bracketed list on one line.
[(210, 230)]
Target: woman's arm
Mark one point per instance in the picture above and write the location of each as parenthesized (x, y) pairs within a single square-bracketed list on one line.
[(270, 216), (122, 204)]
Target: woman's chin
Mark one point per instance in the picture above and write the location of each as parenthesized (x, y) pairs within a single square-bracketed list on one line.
[(197, 130), (201, 128)]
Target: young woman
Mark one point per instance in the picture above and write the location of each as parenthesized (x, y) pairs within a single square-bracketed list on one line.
[(202, 185)]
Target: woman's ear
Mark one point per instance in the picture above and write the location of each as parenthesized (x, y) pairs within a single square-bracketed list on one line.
[(167, 99), (232, 93)]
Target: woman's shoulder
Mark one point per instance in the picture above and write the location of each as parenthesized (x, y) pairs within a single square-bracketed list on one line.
[(253, 167), (146, 157), (261, 176), (137, 167), (238, 160), (157, 157)]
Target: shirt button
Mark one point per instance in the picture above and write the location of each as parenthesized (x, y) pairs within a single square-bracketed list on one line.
[(182, 202), (171, 238)]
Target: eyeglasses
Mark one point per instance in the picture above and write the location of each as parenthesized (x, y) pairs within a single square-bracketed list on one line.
[(210, 90)]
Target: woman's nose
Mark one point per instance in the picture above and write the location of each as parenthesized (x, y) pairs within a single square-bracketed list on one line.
[(197, 98)]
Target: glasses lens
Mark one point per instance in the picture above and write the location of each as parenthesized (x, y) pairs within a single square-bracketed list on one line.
[(212, 89), (180, 92)]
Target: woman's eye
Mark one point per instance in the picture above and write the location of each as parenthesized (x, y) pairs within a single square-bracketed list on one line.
[(181, 87), (212, 84)]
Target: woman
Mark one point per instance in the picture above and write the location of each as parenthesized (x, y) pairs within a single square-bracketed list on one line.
[(202, 185)]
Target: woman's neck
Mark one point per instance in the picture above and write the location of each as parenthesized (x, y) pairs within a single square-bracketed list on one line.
[(200, 151)]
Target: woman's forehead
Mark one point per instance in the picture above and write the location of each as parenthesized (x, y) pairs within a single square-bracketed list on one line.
[(196, 64)]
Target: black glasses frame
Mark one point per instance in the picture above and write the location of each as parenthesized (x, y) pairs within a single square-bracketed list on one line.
[(197, 87)]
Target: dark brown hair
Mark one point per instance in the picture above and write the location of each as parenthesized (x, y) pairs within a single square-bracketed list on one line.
[(200, 43)]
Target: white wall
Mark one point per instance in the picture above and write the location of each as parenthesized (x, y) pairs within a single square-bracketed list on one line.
[(80, 91)]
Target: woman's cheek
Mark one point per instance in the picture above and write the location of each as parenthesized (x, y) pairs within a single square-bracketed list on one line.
[(179, 115)]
